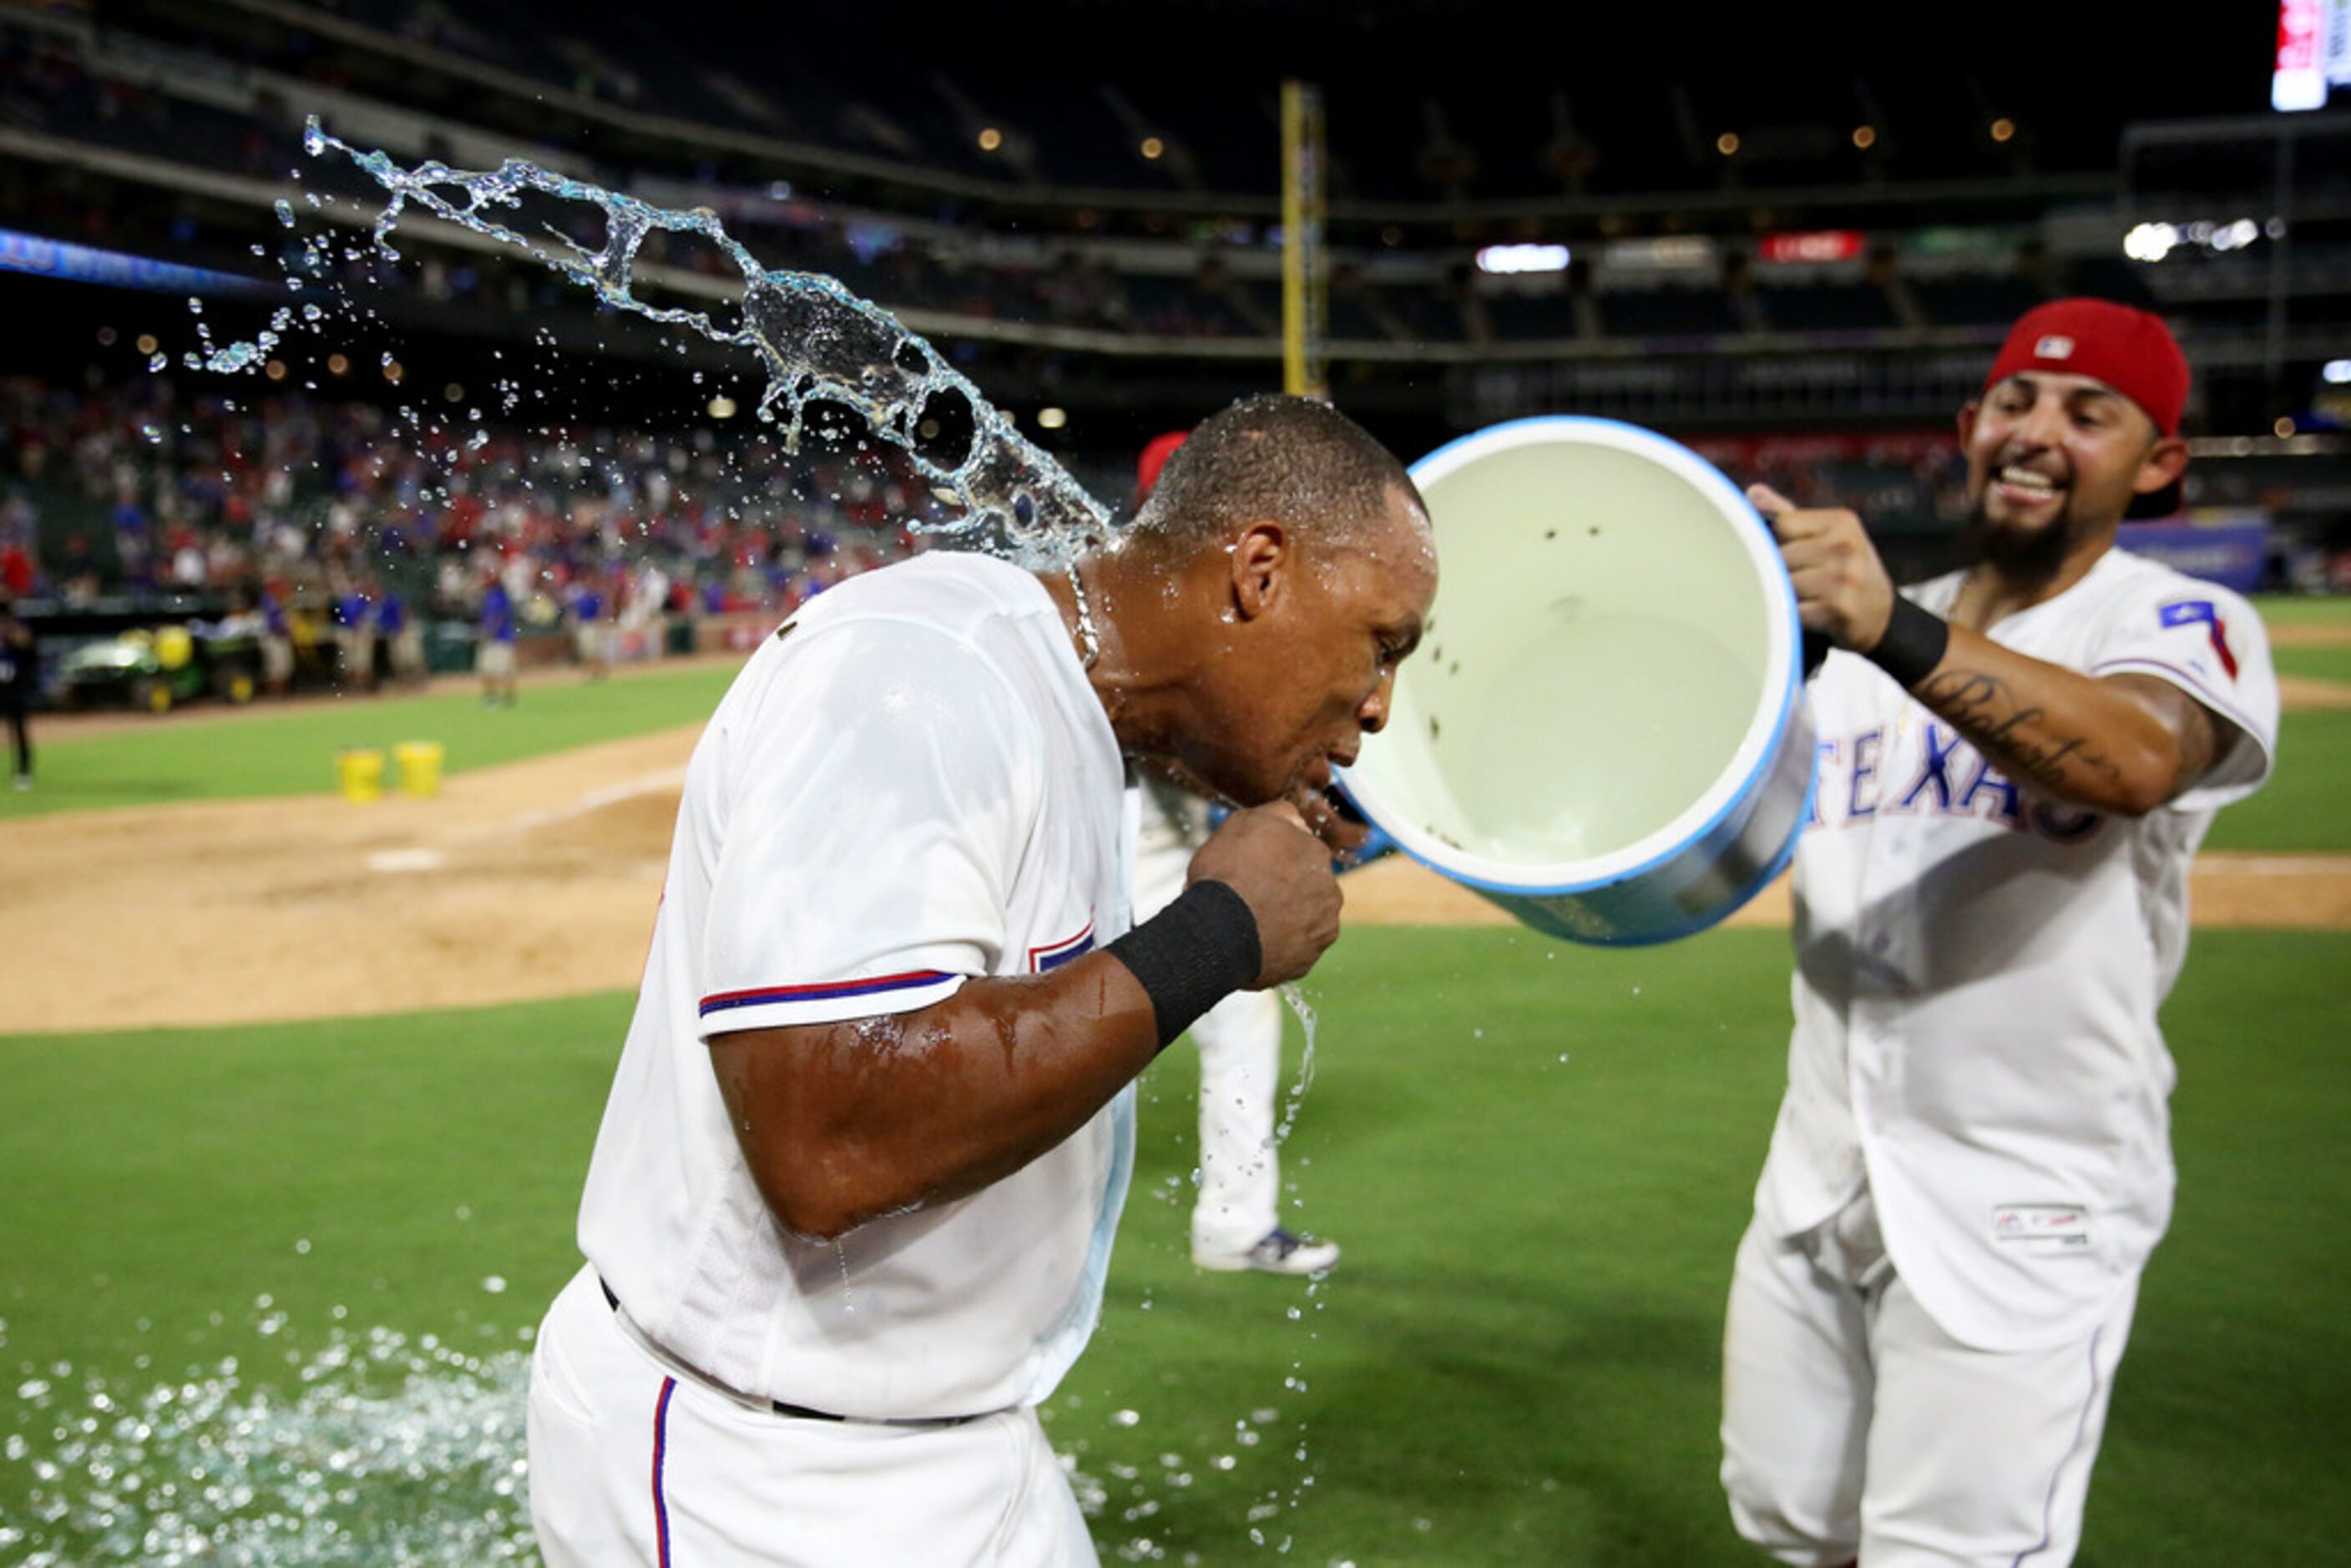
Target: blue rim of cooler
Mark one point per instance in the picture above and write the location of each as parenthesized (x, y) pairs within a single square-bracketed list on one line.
[(1737, 901), (1709, 477)]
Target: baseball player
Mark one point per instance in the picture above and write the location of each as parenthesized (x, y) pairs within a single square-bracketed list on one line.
[(1235, 1220), (1972, 1162), (584, 600), (355, 628), (850, 1211), (495, 656), (276, 642), (1236, 1223)]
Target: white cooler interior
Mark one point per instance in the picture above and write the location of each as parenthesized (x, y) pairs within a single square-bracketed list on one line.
[(1596, 656)]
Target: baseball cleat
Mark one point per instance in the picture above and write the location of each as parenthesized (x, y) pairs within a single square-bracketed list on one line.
[(1279, 1251)]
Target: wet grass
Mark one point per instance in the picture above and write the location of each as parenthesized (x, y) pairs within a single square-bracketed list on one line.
[(1515, 1364)]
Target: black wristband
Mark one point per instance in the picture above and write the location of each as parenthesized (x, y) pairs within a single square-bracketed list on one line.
[(1913, 645), (1192, 955)]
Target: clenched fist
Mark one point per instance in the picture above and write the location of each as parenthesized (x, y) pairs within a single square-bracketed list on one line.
[(1843, 589), (1282, 871)]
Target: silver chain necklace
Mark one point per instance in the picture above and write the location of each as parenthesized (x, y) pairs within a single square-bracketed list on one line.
[(1089, 640)]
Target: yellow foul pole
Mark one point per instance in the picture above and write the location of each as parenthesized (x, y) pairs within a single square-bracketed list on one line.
[(1304, 306)]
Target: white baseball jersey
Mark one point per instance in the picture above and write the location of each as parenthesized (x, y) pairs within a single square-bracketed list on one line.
[(909, 784), (1978, 972)]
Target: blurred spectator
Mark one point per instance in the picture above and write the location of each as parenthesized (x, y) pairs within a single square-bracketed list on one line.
[(20, 682)]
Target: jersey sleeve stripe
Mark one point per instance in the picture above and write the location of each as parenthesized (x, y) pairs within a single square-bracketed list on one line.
[(1046, 957), (830, 990)]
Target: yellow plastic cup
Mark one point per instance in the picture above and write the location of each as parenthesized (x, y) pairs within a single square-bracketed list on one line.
[(420, 767), (361, 772)]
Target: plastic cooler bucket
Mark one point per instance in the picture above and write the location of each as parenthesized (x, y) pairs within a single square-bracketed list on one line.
[(360, 770), (1604, 731), (419, 762)]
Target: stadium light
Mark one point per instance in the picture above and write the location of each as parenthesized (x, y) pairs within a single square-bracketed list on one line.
[(1051, 418), (722, 407), (1152, 147), (337, 364), (2284, 426), (2004, 128), (2337, 372), (147, 343), (2151, 241), (991, 139), (1864, 137), (1511, 259), (1726, 143), (2236, 235)]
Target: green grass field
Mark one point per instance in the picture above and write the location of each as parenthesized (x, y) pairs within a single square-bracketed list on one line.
[(1538, 1158), (292, 751), (2300, 610)]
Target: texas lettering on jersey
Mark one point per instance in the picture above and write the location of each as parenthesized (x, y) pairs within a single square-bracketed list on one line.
[(1928, 769)]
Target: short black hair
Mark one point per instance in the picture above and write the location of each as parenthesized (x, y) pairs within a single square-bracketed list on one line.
[(1292, 459)]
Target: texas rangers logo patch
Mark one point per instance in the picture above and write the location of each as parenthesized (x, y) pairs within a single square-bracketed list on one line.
[(2188, 612), (2055, 346)]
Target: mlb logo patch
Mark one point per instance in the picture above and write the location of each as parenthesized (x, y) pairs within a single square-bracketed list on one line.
[(2051, 1226), (2055, 346)]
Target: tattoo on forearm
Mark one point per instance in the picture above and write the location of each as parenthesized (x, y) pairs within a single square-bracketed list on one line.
[(2017, 735)]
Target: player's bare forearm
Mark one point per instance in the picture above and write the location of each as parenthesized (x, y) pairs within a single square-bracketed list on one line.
[(843, 1123), (2123, 744)]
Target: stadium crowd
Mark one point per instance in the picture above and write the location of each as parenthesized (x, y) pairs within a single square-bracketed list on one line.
[(152, 486)]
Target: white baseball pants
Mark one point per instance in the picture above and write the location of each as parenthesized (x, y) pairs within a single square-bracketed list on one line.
[(1853, 1427), (1240, 1041), (631, 1463)]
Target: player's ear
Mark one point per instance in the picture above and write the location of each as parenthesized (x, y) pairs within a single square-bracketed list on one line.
[(2164, 463), (1260, 561), (1967, 411)]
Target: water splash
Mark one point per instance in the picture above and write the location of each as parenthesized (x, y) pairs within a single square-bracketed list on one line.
[(817, 342), (848, 1291), (394, 1450), (1307, 1019)]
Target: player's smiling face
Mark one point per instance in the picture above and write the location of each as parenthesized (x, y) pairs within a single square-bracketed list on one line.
[(1314, 672), (2055, 458)]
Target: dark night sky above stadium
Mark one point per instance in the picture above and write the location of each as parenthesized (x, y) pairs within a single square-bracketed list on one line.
[(2111, 61)]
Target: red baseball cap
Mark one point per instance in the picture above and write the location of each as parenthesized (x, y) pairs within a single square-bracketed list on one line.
[(2129, 351), (1155, 457)]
